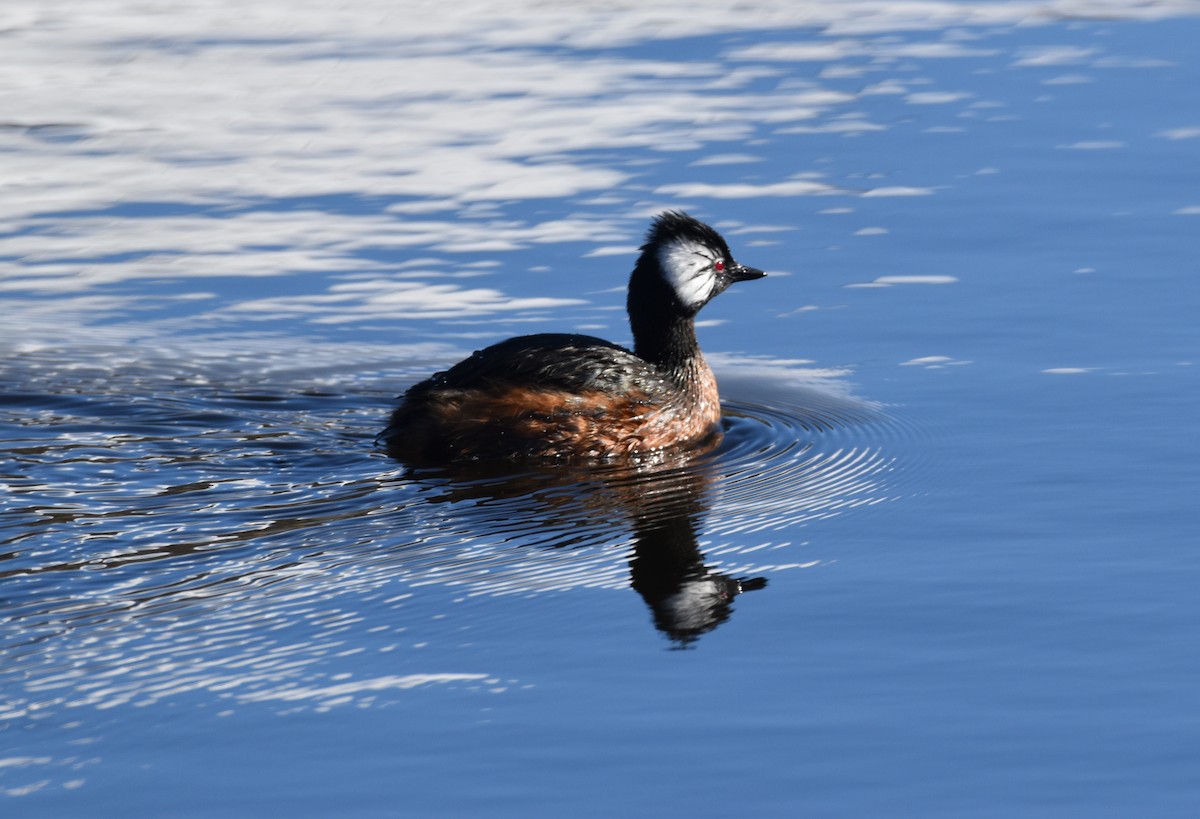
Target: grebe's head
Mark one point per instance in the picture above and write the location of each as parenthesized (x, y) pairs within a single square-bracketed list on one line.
[(691, 259)]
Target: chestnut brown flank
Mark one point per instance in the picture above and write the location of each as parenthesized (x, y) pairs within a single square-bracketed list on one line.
[(555, 423)]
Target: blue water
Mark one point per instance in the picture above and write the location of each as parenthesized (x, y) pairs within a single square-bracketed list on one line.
[(943, 563)]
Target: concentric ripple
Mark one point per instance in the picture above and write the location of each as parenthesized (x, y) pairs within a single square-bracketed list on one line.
[(207, 527), (782, 465), (790, 455)]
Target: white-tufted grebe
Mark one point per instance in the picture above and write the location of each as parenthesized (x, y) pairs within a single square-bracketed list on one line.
[(566, 396)]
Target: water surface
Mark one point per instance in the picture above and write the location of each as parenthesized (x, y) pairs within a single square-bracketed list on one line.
[(941, 565)]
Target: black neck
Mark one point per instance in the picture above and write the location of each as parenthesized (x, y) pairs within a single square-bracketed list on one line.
[(664, 333)]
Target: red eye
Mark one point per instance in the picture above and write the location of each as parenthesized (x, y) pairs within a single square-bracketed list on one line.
[(718, 266)]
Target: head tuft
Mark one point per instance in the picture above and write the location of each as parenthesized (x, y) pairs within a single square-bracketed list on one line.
[(675, 225)]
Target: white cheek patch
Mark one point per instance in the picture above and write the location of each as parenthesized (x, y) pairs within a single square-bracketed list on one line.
[(687, 267)]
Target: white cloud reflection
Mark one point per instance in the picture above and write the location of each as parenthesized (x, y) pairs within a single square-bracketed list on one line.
[(384, 298), (889, 281), (232, 141), (792, 187)]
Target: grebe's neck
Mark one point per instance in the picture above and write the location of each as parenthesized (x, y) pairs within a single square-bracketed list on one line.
[(671, 346), (664, 332)]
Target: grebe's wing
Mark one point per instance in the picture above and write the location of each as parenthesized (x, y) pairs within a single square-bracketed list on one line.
[(541, 396), (553, 361)]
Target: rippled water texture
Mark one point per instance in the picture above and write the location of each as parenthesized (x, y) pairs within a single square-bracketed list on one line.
[(941, 564), (198, 489)]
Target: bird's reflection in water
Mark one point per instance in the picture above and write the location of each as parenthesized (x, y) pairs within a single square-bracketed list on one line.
[(662, 504), (687, 597)]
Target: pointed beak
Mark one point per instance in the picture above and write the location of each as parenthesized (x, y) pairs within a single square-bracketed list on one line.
[(741, 273)]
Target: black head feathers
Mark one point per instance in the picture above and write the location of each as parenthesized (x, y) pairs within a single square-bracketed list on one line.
[(673, 225)]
